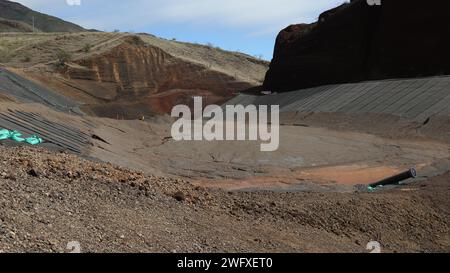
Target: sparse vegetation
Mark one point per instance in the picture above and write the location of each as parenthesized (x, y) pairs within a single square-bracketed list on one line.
[(63, 57), (2, 57), (26, 59), (87, 48), (16, 18)]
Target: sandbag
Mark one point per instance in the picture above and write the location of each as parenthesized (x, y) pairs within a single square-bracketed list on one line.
[(17, 137), (34, 140)]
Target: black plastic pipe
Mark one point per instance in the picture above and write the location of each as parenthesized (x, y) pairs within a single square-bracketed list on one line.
[(394, 180)]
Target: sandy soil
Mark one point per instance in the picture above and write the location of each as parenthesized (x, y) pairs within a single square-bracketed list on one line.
[(332, 159), (308, 157)]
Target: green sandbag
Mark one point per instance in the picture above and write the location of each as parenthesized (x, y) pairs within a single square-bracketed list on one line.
[(4, 134), (17, 136), (34, 140)]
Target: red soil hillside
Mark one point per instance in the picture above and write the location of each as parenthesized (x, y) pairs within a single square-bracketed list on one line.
[(130, 76)]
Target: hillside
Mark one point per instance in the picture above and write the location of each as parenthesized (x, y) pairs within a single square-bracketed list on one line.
[(356, 42), (118, 75), (129, 75), (14, 26), (15, 17)]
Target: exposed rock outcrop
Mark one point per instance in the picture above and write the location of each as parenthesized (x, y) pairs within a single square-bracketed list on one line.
[(138, 69), (120, 75), (356, 42), (142, 78)]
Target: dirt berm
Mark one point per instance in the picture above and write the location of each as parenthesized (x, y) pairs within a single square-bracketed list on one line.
[(48, 200)]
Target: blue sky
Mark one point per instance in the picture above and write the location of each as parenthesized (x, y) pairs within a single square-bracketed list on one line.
[(249, 26)]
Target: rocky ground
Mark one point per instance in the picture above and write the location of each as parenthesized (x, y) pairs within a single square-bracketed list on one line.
[(50, 199)]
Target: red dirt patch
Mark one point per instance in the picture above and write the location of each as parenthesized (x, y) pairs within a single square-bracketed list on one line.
[(346, 175)]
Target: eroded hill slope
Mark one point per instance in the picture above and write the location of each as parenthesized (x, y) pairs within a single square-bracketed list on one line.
[(128, 75)]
